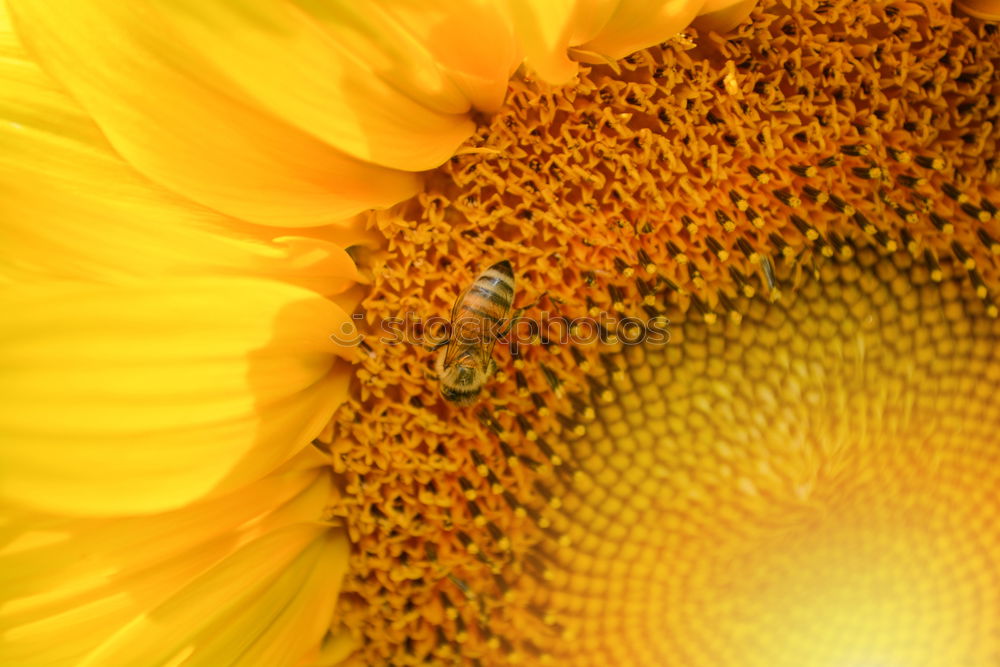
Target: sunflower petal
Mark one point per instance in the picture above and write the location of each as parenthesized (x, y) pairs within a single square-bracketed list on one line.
[(230, 565), (73, 209), (545, 30), (146, 396), (472, 42), (207, 143), (723, 15), (344, 72), (599, 31), (334, 651), (636, 24), (306, 604), (51, 552), (986, 10), (223, 613)]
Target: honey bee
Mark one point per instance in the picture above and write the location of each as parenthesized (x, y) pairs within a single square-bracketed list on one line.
[(465, 365)]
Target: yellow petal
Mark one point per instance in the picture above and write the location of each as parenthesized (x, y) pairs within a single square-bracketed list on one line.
[(344, 72), (72, 208), (290, 576), (472, 41), (297, 616), (987, 10), (146, 396), (602, 31), (723, 15), (211, 145), (637, 24), (546, 29), (334, 651), (204, 581), (50, 552)]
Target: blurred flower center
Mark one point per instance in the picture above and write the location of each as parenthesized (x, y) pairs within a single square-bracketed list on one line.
[(810, 486)]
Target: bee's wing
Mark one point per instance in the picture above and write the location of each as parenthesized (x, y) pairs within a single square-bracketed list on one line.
[(480, 351), (458, 303), (452, 351), (485, 353)]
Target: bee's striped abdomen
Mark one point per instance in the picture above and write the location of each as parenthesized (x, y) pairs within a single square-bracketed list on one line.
[(491, 295)]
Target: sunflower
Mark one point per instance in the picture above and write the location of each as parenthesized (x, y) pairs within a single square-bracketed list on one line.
[(175, 269), (753, 424)]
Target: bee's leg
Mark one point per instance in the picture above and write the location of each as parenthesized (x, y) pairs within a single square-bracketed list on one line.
[(434, 348), (502, 334), (537, 301), (437, 346), (491, 371), (512, 320), (520, 311)]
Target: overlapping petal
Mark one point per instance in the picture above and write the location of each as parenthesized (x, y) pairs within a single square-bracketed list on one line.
[(352, 75), (195, 138), (472, 42), (987, 10), (636, 24), (248, 573), (72, 209), (146, 396), (601, 31), (282, 114), (723, 15), (150, 355), (546, 30)]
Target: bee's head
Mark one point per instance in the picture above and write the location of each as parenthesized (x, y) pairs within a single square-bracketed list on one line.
[(461, 384)]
